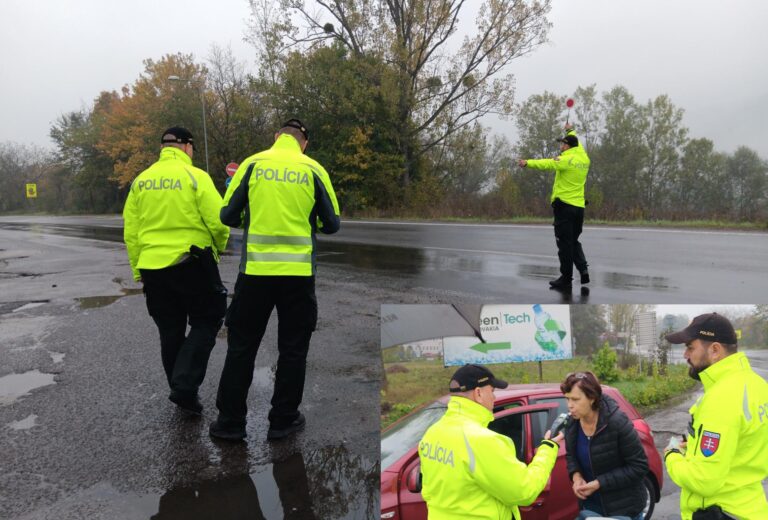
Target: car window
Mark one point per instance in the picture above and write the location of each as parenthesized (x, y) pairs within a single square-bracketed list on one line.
[(541, 422), (507, 406), (396, 441), (512, 427)]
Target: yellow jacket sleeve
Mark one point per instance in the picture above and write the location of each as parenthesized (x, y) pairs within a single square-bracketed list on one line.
[(500, 474), (131, 232), (543, 164), (209, 205), (697, 471)]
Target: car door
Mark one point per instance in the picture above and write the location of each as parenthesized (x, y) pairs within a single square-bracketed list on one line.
[(516, 423)]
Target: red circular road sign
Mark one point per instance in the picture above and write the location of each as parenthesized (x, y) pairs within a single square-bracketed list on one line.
[(232, 168), (569, 103)]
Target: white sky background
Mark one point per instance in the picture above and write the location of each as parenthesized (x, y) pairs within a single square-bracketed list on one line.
[(694, 310), (709, 56)]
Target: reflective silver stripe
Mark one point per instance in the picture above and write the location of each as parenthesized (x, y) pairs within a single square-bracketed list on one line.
[(194, 181), (471, 455), (279, 257), (272, 239), (747, 414)]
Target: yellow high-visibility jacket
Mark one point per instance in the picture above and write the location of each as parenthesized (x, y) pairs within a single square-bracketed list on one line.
[(280, 197), (726, 456), (471, 472), (171, 206), (571, 168)]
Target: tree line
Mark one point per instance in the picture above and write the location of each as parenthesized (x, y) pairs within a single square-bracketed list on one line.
[(395, 99)]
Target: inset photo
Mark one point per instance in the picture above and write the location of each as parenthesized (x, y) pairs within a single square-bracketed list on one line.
[(543, 411)]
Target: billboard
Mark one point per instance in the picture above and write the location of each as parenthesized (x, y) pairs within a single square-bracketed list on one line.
[(514, 333)]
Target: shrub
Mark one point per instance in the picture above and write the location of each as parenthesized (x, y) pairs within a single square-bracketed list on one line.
[(604, 364)]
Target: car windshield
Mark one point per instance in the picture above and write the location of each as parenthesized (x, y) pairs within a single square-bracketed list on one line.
[(396, 442)]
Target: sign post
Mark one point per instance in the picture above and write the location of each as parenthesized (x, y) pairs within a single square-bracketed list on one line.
[(31, 191)]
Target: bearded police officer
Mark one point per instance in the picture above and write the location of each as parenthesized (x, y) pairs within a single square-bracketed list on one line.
[(280, 197), (726, 454), (469, 471), (174, 236), (568, 203)]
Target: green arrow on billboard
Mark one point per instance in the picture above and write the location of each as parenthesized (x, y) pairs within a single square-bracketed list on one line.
[(485, 347)]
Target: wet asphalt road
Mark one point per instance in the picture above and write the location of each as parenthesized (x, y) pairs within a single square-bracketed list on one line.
[(515, 262), (100, 440), (505, 262), (86, 430), (673, 421)]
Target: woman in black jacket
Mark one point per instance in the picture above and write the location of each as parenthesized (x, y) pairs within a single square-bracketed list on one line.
[(606, 460)]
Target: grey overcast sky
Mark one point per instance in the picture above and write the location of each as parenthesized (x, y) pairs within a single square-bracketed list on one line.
[(709, 56)]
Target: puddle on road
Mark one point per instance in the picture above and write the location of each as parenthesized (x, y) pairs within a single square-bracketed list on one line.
[(538, 272), (324, 484), (630, 281), (9, 307), (328, 483), (14, 386), (24, 424), (95, 302), (402, 260), (109, 234)]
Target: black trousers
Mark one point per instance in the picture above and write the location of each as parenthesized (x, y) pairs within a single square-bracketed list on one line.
[(247, 318), (568, 223), (178, 295)]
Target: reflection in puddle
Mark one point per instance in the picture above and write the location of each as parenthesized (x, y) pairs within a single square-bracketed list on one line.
[(538, 272), (24, 424), (109, 234), (329, 483), (403, 260), (14, 386), (94, 302), (30, 305), (630, 281)]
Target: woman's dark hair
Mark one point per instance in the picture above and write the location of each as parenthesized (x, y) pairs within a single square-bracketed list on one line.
[(588, 384)]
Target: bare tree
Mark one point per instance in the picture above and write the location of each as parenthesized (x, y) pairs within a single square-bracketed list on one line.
[(442, 84)]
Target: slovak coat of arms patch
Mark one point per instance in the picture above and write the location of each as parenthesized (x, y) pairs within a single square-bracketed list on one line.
[(709, 443)]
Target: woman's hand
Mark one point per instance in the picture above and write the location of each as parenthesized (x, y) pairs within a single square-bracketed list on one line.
[(589, 488), (578, 482)]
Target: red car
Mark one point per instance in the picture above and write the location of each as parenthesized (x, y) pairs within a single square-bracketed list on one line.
[(523, 413)]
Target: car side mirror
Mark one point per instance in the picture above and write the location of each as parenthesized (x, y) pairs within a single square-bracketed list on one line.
[(413, 482)]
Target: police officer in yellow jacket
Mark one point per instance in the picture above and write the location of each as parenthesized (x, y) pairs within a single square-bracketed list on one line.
[(469, 471), (571, 168), (725, 454), (280, 198), (173, 236)]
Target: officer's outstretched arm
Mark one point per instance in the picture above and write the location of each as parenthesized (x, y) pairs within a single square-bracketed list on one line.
[(707, 462), (498, 471), (544, 164), (131, 232)]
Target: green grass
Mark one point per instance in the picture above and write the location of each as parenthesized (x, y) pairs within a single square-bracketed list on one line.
[(411, 384)]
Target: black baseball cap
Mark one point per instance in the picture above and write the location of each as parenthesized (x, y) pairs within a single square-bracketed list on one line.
[(570, 140), (709, 327), (470, 377), (295, 123), (177, 134)]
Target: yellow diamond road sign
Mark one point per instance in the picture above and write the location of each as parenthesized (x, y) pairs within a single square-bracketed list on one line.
[(31, 191)]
